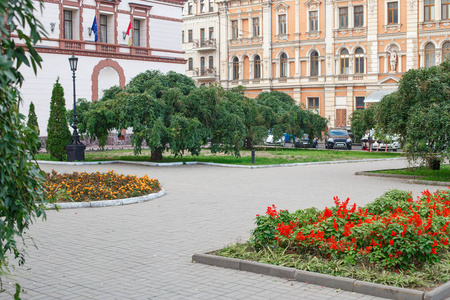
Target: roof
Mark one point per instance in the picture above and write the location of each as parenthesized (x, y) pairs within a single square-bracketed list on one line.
[(377, 96)]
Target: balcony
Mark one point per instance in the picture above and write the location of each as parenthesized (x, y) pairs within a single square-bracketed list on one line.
[(110, 48), (204, 45), (202, 73), (72, 45)]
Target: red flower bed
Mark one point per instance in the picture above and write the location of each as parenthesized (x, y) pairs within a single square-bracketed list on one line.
[(394, 230)]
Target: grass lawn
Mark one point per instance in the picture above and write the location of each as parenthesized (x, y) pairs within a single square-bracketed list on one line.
[(264, 156), (424, 173)]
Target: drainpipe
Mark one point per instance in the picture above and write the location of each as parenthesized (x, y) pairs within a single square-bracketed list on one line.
[(228, 45), (270, 46)]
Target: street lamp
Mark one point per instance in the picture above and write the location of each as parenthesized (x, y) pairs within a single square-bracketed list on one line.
[(75, 150)]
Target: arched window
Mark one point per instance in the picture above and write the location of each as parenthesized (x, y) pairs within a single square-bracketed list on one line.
[(314, 64), (235, 68), (190, 63), (446, 51), (359, 61), (211, 62), (429, 55), (202, 65), (257, 67), (283, 65), (344, 61)]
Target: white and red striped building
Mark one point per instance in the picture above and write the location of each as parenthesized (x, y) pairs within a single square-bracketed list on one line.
[(156, 44)]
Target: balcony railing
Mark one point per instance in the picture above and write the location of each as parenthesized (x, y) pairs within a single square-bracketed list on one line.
[(204, 44), (74, 45)]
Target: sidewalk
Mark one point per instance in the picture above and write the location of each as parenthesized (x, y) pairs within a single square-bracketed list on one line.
[(144, 250)]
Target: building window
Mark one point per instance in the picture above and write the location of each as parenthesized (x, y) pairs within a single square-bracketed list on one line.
[(103, 28), (68, 32), (137, 33), (343, 17), (182, 36), (313, 21), (393, 13), (257, 69), (190, 35), (359, 16), (360, 102), (283, 65), (344, 62), (429, 10), (282, 29), (202, 6), (211, 5), (235, 68), (359, 61), (313, 103), (446, 51), (211, 62), (445, 9), (189, 8), (190, 63), (211, 33), (314, 64), (255, 26), (234, 29), (429, 55), (202, 66), (202, 37)]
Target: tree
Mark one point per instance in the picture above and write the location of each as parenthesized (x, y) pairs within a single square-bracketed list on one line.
[(363, 120), (21, 195), (32, 123), (58, 134), (419, 113)]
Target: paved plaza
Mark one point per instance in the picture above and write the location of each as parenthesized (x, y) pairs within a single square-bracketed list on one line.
[(144, 250)]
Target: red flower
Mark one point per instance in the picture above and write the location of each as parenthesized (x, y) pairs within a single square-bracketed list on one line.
[(394, 233), (327, 213), (433, 251), (272, 211), (391, 242)]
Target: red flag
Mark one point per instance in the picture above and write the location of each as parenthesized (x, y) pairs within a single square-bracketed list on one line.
[(130, 40)]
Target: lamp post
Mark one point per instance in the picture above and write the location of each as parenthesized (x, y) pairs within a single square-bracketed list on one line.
[(75, 150)]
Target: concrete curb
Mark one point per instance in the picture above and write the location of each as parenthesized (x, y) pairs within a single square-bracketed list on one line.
[(144, 163), (346, 284), (105, 203), (410, 178)]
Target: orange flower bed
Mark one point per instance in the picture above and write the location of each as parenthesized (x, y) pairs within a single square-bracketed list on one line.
[(85, 187)]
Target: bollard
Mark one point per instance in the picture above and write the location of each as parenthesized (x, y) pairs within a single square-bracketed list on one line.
[(253, 157)]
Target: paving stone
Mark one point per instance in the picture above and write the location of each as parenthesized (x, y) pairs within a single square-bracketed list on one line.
[(96, 252)]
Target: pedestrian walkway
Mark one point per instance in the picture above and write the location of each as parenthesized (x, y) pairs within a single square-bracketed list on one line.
[(143, 251)]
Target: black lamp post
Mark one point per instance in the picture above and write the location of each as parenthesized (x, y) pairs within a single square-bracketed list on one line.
[(75, 150)]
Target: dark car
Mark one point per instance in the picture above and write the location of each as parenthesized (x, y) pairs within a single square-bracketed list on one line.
[(338, 139)]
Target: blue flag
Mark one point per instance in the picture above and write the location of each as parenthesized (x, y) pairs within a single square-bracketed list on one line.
[(94, 28)]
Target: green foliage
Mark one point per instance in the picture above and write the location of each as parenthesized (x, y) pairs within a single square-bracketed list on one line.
[(32, 123), (363, 120), (58, 134), (21, 196), (394, 231), (419, 113)]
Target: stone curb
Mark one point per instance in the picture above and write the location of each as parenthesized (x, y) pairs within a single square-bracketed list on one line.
[(410, 178), (143, 163), (105, 203), (346, 284)]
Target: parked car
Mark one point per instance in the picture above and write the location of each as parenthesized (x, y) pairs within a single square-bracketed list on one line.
[(270, 141), (389, 142), (338, 139), (303, 142)]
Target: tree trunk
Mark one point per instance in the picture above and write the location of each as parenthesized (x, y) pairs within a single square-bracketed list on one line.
[(434, 164), (156, 156), (248, 144)]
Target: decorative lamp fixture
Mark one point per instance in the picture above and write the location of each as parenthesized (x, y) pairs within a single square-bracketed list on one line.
[(124, 35), (75, 149), (89, 31)]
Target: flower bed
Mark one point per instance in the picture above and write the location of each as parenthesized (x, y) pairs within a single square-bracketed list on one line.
[(84, 187), (393, 240)]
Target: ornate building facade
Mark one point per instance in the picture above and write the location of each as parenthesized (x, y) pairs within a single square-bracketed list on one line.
[(130, 37), (331, 56)]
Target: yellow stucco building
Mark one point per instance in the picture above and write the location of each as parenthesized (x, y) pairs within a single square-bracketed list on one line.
[(332, 56)]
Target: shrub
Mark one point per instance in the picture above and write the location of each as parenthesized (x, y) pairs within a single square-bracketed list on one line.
[(394, 231), (32, 123), (58, 134)]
